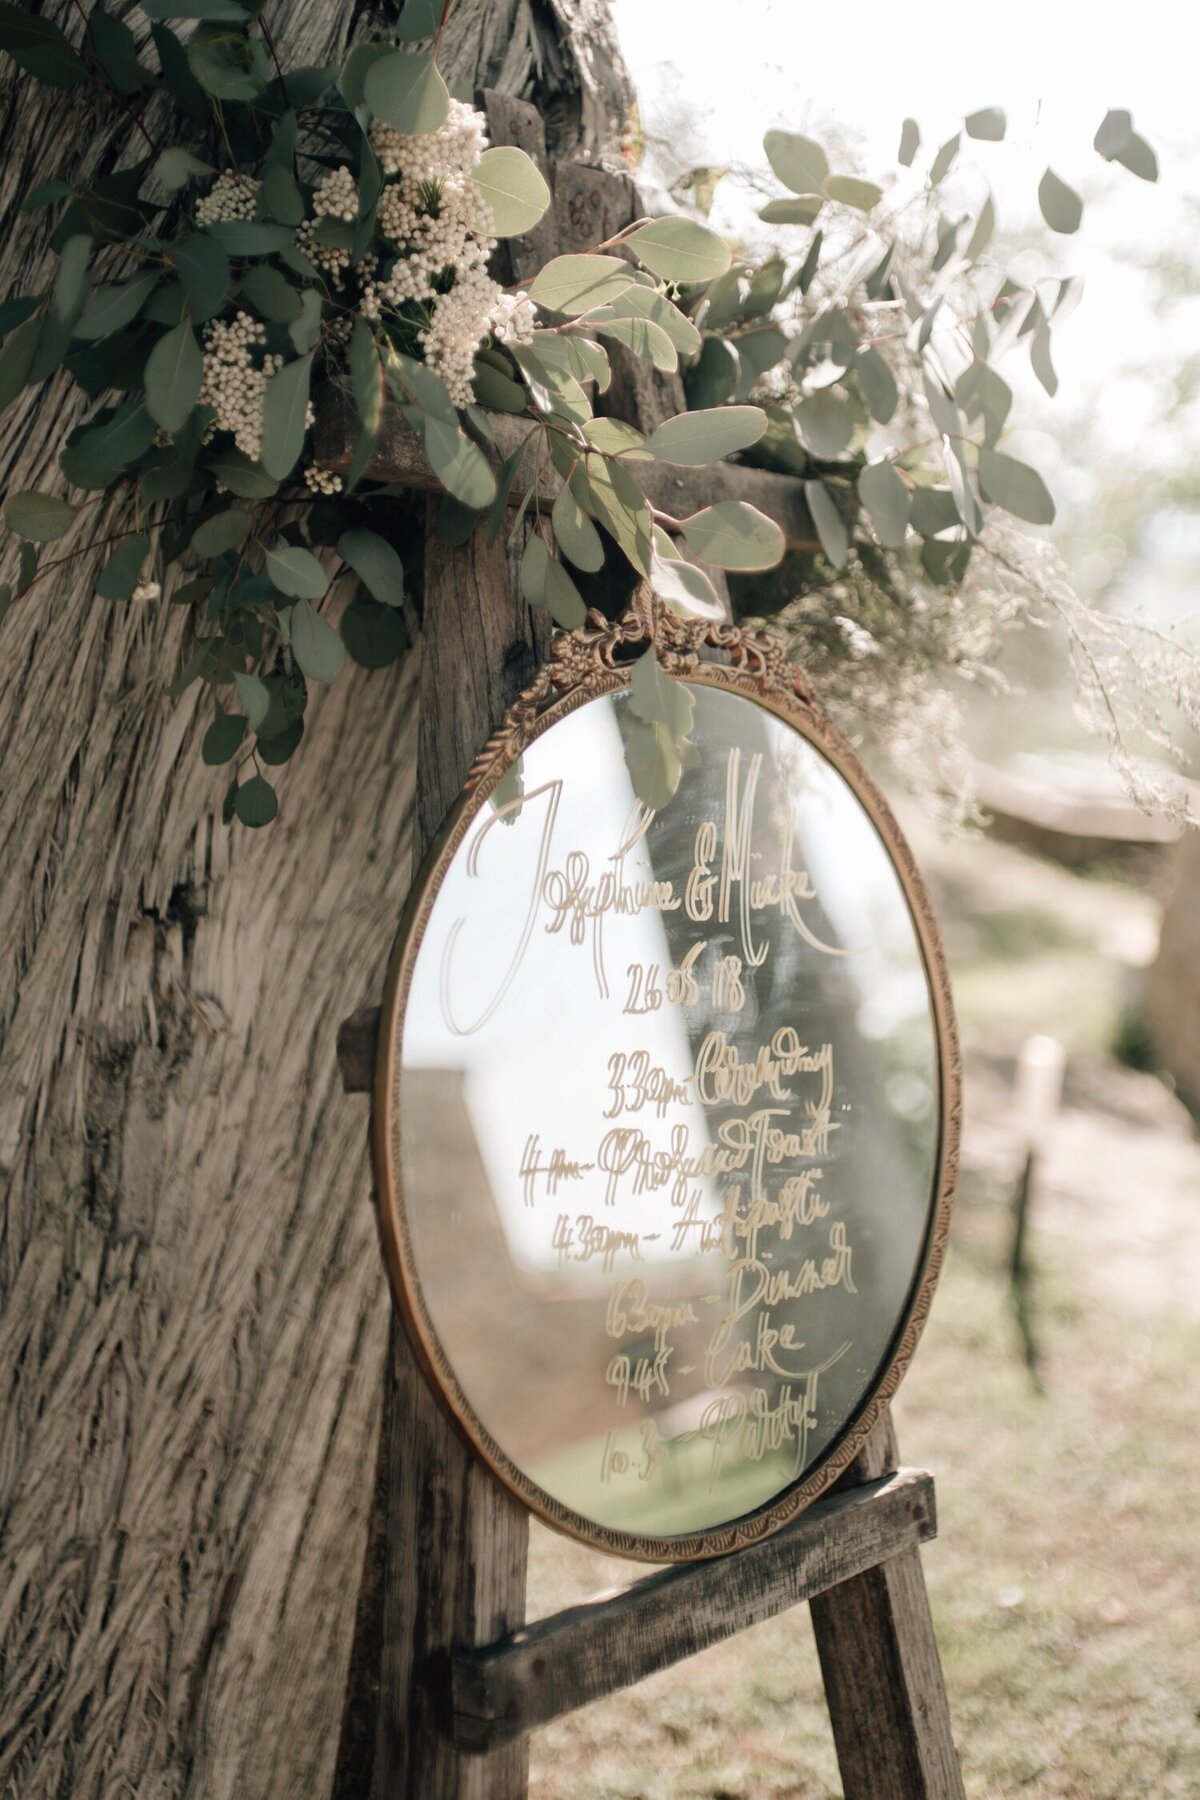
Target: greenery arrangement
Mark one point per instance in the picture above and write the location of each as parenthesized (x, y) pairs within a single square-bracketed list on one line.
[(299, 227)]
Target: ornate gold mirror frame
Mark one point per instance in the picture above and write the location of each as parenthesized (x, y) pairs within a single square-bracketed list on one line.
[(583, 666)]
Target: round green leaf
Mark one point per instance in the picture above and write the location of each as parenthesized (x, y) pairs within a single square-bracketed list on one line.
[(514, 189), (407, 92), (223, 739), (255, 696), (459, 465), (277, 749), (316, 646), (535, 561), (714, 376), (851, 190), (354, 71), (563, 598), (882, 491), (910, 142), (831, 527), (825, 422), (174, 371), (877, 382), (734, 535), (374, 562), (680, 250), (987, 125), (1016, 487), (1061, 206), (107, 309), (39, 517), (644, 338), (223, 532), (373, 634), (694, 438), (799, 163), (119, 576), (295, 570), (577, 536), (255, 803), (574, 284), (800, 211)]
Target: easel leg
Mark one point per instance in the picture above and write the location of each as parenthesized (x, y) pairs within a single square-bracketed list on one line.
[(883, 1675)]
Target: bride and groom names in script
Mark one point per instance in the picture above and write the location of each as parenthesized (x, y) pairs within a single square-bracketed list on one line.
[(753, 1123)]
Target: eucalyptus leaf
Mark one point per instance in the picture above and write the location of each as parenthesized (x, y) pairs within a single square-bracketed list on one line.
[(95, 457), (373, 634), (988, 125), (317, 647), (940, 167), (296, 571), (285, 416), (248, 480), (831, 527), (407, 92), (375, 562), (713, 378), (354, 71), (577, 536), (852, 190), (643, 338), (800, 211), (680, 250), (734, 535), (70, 284), (616, 438), (620, 506), (203, 269), (255, 696), (119, 576), (825, 423), (1015, 486), (40, 517), (108, 309), (695, 438), (459, 465), (877, 382), (799, 162), (910, 142), (574, 284), (273, 297), (223, 739), (255, 802), (882, 491), (639, 302), (174, 371), (514, 188), (224, 531), (563, 599), (494, 389), (1061, 206), (535, 563)]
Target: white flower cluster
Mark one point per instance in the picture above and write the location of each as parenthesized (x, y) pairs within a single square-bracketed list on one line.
[(230, 197), (336, 197), (237, 369), (322, 480), (513, 318), (441, 225)]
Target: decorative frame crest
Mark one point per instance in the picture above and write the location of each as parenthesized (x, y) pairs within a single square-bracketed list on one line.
[(583, 665)]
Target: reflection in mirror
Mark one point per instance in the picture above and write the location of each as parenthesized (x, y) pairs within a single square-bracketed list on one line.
[(668, 1119)]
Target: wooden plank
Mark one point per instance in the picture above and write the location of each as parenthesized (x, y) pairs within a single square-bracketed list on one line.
[(399, 456), (455, 1541), (579, 1655), (882, 1672)]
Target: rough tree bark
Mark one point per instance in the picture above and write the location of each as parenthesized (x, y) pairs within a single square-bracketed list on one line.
[(192, 1310)]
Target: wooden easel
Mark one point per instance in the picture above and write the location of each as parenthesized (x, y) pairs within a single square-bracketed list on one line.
[(446, 1682)]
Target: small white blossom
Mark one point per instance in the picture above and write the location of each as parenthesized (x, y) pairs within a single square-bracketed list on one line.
[(147, 590), (513, 318), (322, 480), (231, 197), (336, 197)]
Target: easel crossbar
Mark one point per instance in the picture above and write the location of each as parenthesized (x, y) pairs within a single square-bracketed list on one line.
[(505, 1689)]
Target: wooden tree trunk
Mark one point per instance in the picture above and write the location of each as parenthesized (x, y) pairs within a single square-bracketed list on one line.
[(192, 1312)]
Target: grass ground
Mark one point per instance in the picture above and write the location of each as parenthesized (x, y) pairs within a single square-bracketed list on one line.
[(1064, 1579)]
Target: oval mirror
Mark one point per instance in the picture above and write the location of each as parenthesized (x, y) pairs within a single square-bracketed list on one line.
[(665, 1117)]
